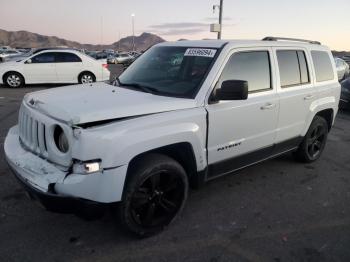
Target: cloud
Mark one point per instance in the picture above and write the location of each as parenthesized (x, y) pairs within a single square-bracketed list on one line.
[(178, 25), (181, 28), (184, 31), (215, 19)]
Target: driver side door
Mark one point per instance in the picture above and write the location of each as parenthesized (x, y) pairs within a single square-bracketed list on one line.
[(41, 68), (242, 132)]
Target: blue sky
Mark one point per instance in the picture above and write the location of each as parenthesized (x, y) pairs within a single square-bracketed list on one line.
[(96, 21)]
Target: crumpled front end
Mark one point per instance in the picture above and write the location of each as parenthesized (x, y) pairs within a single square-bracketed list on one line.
[(56, 189)]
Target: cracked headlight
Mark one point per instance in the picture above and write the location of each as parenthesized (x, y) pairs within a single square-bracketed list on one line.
[(61, 139)]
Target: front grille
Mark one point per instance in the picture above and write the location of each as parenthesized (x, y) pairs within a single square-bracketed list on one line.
[(32, 133)]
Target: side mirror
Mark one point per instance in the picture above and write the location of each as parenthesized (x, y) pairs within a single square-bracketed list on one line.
[(29, 61), (232, 90)]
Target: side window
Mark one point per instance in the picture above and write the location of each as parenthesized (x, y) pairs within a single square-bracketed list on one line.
[(44, 58), (62, 57), (293, 67), (253, 67), (323, 66)]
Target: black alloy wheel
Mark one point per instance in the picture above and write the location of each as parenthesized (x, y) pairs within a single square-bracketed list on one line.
[(314, 141), (154, 195)]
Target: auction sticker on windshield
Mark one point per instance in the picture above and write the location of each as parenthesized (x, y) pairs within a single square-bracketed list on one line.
[(200, 52)]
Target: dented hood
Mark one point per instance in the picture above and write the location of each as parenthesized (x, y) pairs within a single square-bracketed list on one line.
[(81, 104)]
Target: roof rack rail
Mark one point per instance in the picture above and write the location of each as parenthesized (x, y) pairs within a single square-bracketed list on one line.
[(272, 38)]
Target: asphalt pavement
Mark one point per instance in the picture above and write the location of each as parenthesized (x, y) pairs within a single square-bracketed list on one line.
[(279, 210)]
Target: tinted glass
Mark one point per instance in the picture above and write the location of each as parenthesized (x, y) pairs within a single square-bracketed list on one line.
[(172, 71), (289, 67), (253, 67), (323, 66), (67, 58), (44, 58), (304, 71)]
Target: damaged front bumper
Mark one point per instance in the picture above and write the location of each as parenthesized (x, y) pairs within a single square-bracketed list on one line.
[(56, 189)]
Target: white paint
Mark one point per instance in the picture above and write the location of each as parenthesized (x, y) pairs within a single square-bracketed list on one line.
[(157, 121), (43, 73)]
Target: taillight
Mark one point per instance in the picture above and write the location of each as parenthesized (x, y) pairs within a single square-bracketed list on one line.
[(105, 65)]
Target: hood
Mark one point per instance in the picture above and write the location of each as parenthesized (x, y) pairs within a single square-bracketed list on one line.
[(81, 104)]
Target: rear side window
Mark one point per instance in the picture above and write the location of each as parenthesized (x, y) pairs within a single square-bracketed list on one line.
[(293, 67), (253, 67), (323, 66), (62, 57)]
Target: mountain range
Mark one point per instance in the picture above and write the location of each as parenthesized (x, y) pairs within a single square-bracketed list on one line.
[(25, 39)]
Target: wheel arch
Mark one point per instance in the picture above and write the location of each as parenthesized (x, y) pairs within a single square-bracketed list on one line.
[(86, 71), (182, 152), (12, 71), (328, 115)]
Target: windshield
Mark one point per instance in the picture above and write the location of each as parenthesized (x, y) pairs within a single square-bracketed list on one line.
[(171, 71)]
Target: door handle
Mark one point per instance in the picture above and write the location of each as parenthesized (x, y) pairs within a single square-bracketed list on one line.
[(268, 106), (308, 97)]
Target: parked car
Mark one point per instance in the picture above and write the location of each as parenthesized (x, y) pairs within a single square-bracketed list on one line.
[(3, 48), (21, 56), (343, 70), (102, 55), (346, 58), (122, 58), (165, 125), (345, 94), (7, 54), (53, 66)]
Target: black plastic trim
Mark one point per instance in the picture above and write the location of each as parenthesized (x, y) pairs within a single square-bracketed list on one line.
[(232, 164)]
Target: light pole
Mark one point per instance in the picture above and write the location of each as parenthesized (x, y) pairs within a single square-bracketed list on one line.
[(133, 31)]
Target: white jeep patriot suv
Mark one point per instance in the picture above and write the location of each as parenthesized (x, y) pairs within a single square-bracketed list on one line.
[(183, 113)]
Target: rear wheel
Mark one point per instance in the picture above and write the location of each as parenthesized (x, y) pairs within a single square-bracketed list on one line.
[(314, 141), (154, 195), (14, 80), (86, 78)]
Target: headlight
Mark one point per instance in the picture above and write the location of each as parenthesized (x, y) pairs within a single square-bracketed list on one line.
[(86, 167), (61, 139)]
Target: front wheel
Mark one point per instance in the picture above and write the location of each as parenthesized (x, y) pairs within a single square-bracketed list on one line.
[(154, 195), (314, 141), (14, 80), (86, 78)]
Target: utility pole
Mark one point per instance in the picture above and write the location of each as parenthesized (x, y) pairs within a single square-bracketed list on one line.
[(119, 42), (218, 27), (133, 32), (220, 18)]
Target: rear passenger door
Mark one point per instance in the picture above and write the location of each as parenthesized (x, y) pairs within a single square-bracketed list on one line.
[(297, 94), (68, 67), (241, 132)]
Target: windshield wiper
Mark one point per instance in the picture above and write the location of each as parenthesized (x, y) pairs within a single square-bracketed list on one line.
[(146, 89)]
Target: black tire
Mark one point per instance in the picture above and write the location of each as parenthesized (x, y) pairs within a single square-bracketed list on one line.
[(13, 80), (154, 195), (314, 141), (86, 78)]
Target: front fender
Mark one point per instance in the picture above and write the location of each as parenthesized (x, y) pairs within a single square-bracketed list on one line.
[(118, 143)]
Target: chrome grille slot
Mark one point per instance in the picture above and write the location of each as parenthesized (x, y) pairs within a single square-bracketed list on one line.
[(32, 133), (35, 132)]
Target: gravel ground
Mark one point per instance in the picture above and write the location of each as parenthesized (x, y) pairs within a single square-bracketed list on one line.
[(278, 210)]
